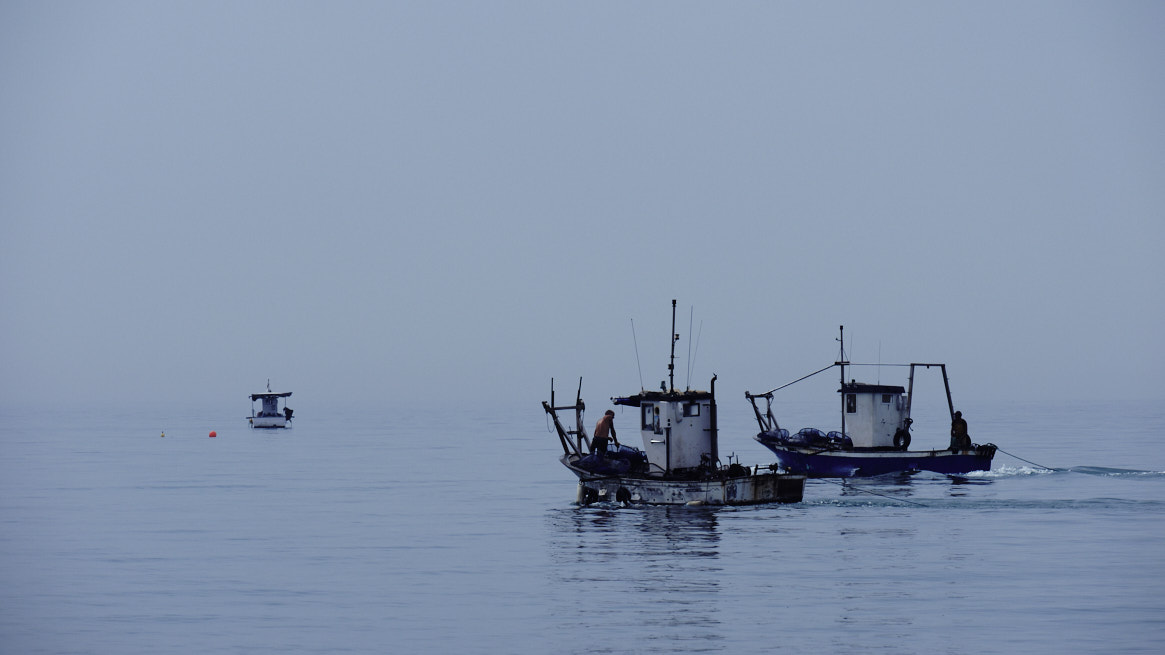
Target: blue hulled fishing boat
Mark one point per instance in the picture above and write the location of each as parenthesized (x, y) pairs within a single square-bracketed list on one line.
[(875, 433)]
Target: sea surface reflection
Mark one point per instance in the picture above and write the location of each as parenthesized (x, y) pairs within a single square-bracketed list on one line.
[(647, 576)]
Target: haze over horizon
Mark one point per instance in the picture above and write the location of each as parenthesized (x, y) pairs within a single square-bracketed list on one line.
[(411, 204)]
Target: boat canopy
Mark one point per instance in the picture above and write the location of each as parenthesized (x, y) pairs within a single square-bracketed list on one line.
[(859, 387), (269, 394), (662, 396)]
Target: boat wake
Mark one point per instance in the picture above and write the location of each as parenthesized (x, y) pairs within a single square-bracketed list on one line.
[(1007, 472), (1115, 472), (1019, 471)]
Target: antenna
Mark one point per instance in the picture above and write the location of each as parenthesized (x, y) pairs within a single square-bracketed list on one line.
[(691, 315), (637, 365), (697, 344)]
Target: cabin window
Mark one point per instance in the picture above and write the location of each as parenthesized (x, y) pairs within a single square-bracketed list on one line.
[(645, 411), (851, 404), (692, 409), (886, 398)]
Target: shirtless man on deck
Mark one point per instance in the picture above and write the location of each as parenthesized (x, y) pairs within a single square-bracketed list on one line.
[(605, 427)]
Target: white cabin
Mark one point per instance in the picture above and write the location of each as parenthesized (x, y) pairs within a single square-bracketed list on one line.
[(873, 413), (678, 428)]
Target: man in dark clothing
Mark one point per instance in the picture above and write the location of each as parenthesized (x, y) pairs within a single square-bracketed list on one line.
[(960, 440)]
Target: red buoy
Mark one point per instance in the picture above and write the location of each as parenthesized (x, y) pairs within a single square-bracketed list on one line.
[(213, 434)]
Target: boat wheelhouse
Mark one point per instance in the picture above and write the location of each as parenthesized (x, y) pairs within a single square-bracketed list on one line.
[(875, 433), (679, 463), (270, 414)]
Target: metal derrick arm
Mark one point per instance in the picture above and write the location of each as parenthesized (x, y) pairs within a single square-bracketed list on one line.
[(574, 442), (946, 386), (766, 421)]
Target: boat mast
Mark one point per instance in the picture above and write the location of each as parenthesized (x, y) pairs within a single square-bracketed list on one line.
[(671, 366), (841, 363)]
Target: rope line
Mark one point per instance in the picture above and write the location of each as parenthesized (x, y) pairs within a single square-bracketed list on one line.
[(1027, 460), (843, 485), (797, 380)]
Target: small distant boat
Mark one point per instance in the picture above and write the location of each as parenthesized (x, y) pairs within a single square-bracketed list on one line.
[(680, 462), (875, 433), (270, 415)]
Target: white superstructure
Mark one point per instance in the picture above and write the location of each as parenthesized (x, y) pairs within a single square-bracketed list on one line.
[(874, 413)]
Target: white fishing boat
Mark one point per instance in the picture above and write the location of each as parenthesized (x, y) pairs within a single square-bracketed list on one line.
[(679, 463), (270, 414)]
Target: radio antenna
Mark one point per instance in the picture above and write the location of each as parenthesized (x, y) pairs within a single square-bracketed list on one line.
[(691, 315), (698, 344), (637, 365)]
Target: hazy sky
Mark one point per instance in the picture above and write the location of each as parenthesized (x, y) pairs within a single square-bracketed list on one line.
[(421, 202)]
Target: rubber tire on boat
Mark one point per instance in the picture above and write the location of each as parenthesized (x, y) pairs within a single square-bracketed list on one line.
[(622, 495), (901, 439), (590, 495)]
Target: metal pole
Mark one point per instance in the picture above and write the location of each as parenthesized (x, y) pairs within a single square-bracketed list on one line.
[(579, 407), (841, 362), (947, 384), (715, 432), (671, 367), (910, 392), (667, 444)]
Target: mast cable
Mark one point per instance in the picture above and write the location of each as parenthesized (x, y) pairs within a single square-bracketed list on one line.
[(797, 380)]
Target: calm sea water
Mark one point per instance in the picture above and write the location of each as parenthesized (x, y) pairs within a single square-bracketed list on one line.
[(429, 532)]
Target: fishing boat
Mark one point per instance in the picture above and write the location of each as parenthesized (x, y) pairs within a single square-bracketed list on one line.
[(679, 463), (270, 415), (875, 432)]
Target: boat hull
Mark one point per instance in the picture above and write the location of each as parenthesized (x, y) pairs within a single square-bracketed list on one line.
[(845, 464), (752, 488), (268, 422)]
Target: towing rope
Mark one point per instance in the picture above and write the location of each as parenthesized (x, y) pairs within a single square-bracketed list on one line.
[(1027, 460), (843, 485)]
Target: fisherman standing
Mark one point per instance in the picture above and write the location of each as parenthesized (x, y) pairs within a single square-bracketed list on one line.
[(604, 433), (959, 438)]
